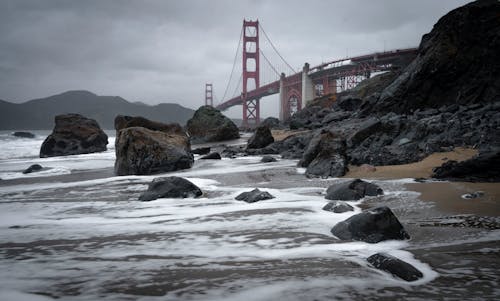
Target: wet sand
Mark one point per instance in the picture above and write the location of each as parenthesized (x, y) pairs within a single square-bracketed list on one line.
[(421, 169), (447, 196)]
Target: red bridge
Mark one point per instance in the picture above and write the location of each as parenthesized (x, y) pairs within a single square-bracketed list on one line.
[(299, 87)]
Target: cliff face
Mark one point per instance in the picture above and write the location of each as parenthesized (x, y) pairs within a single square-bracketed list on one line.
[(458, 62)]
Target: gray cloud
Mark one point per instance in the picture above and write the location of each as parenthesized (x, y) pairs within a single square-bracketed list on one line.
[(164, 51)]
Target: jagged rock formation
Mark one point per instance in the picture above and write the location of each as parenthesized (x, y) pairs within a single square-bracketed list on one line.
[(74, 134), (159, 148), (449, 96)]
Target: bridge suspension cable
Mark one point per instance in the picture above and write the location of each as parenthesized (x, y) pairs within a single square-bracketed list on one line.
[(234, 65), (276, 50)]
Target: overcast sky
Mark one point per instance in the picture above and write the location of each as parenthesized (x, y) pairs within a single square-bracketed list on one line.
[(165, 51)]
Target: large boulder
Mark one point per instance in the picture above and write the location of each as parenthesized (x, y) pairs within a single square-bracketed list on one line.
[(74, 134), (395, 266), (325, 156), (484, 167), (371, 226), (262, 137), (209, 125), (170, 187), (352, 190), (141, 151), (122, 122), (457, 63)]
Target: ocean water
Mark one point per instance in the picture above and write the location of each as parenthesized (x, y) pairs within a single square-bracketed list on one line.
[(74, 231)]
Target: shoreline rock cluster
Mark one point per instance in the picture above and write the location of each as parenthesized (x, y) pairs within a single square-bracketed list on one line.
[(447, 97)]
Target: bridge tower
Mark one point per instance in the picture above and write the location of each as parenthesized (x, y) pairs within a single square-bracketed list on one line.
[(209, 96), (251, 107)]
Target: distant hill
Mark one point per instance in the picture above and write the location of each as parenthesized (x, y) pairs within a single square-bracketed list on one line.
[(38, 114)]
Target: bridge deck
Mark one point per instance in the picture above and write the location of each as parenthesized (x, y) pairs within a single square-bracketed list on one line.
[(378, 61)]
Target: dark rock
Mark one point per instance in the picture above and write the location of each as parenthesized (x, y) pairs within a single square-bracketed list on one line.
[(23, 134), (201, 151), (170, 187), (325, 156), (261, 138), (395, 266), (485, 167), (309, 117), (209, 125), (348, 103), (336, 116), (233, 151), (140, 151), (267, 159), (212, 156), (33, 168), (371, 226), (122, 122), (352, 190), (272, 123), (74, 134), (291, 147), (367, 129), (338, 207), (457, 63), (254, 196)]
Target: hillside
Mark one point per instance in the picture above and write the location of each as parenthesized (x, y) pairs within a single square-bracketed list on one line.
[(39, 113)]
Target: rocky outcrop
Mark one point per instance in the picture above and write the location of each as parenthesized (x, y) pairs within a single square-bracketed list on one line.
[(33, 168), (141, 151), (457, 63), (338, 207), (262, 137), (325, 156), (209, 125), (484, 167), (254, 196), (170, 187), (395, 266), (352, 190), (447, 97), (122, 122), (371, 226), (23, 134), (74, 134)]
